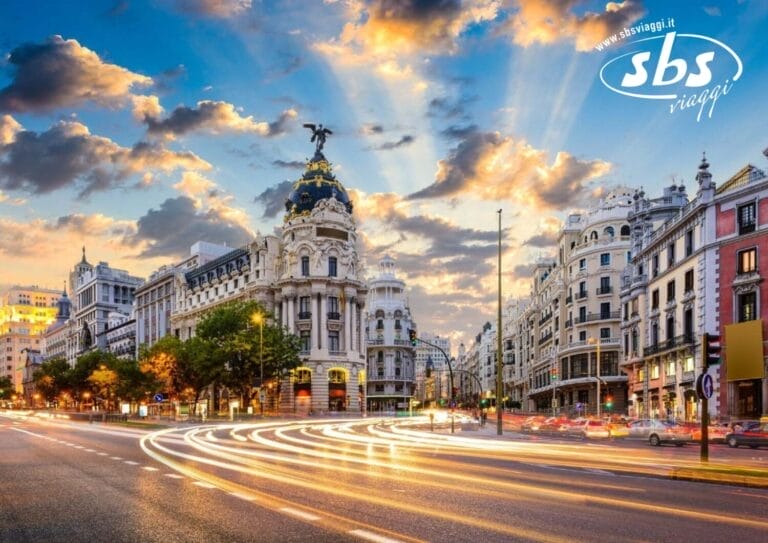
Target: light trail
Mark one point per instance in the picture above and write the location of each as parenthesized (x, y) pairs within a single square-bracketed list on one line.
[(329, 454)]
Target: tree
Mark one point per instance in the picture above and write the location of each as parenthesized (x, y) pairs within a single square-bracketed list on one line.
[(52, 378), (6, 388), (104, 381)]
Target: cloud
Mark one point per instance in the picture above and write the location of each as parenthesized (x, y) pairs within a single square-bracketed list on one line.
[(9, 127), (212, 117), (542, 240), (552, 22), (455, 132), (407, 139), (68, 154), (273, 199), (524, 270), (193, 185), (5, 199), (449, 109), (222, 9), (712, 11), (178, 223), (292, 164), (371, 129), (489, 166), (62, 73)]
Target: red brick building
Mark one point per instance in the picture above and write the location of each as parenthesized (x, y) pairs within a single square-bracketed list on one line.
[(741, 206)]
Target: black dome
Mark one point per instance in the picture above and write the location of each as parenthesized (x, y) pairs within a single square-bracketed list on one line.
[(317, 183)]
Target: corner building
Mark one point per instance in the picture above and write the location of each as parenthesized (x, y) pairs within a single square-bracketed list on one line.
[(309, 276)]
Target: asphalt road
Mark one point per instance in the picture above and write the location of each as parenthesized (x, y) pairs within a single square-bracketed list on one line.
[(371, 480)]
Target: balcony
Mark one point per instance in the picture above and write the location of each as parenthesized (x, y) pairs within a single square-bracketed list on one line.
[(337, 353), (688, 376), (545, 318), (334, 316), (402, 342), (305, 315), (670, 380), (672, 343), (604, 290), (546, 337), (375, 342), (569, 299), (581, 295), (569, 323), (592, 317)]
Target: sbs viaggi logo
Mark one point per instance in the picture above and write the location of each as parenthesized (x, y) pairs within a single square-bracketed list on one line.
[(689, 71)]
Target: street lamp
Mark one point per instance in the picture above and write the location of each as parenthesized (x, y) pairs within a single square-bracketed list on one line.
[(596, 342), (258, 318)]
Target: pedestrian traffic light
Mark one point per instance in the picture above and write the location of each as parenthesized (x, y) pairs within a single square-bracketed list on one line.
[(412, 336), (712, 349)]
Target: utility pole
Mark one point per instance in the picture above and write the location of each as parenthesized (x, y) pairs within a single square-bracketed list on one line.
[(499, 361)]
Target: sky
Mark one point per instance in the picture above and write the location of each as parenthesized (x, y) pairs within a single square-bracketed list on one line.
[(137, 127)]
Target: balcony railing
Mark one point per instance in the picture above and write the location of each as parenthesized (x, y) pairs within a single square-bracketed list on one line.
[(604, 290), (688, 376), (668, 344), (610, 315), (670, 380), (305, 315), (546, 337), (337, 353), (569, 299), (581, 295), (544, 319), (569, 323), (334, 316), (375, 342), (402, 342), (391, 377)]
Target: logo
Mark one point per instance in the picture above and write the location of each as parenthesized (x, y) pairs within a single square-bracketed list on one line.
[(689, 71)]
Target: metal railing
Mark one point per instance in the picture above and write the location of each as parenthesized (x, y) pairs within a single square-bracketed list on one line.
[(604, 290), (678, 341)]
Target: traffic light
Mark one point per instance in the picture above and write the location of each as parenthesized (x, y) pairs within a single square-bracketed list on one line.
[(412, 336), (428, 368), (712, 349), (609, 402), (553, 373)]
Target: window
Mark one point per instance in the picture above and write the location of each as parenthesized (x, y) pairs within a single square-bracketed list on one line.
[(670, 327), (671, 291), (582, 314), (331, 266), (747, 305), (605, 259), (655, 371), (655, 299), (582, 289), (605, 333), (654, 334), (669, 370), (583, 264), (380, 324), (306, 340), (671, 254), (333, 304), (583, 335), (746, 218), (605, 310), (655, 265), (747, 261), (626, 345), (605, 285), (689, 243), (305, 266), (625, 230), (333, 340), (609, 231), (304, 304), (688, 325), (689, 281)]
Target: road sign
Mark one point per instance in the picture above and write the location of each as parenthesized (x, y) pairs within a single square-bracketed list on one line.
[(705, 386), (158, 397)]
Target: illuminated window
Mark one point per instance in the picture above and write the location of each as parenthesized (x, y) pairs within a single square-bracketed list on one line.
[(747, 261)]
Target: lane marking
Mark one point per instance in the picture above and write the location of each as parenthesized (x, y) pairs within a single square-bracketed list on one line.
[(174, 475), (371, 536), (89, 450), (299, 513), (79, 447), (599, 471), (103, 454), (245, 497), (115, 458), (131, 463), (203, 484), (149, 468)]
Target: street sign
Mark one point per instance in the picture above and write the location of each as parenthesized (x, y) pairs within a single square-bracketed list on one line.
[(158, 397), (705, 386)]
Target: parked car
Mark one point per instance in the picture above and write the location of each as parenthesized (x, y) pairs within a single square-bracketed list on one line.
[(658, 432), (753, 436)]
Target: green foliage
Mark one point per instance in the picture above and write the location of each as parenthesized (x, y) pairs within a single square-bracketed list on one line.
[(6, 388), (52, 378)]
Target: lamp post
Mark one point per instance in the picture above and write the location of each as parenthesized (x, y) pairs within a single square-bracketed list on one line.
[(596, 342), (499, 361), (258, 318)]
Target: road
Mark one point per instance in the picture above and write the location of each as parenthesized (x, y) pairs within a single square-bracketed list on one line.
[(376, 480)]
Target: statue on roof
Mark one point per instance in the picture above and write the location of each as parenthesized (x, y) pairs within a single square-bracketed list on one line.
[(319, 135)]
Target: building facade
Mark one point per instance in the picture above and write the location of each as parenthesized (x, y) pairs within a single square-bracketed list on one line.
[(391, 376), (435, 387), (309, 276), (25, 314)]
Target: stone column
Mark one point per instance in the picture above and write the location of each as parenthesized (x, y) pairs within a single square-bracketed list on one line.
[(324, 322), (353, 391), (320, 389), (291, 314), (315, 322)]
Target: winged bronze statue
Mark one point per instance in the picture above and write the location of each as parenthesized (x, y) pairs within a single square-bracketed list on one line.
[(319, 134)]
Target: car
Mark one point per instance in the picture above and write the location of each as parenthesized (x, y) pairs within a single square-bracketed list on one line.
[(658, 432), (590, 429), (618, 429), (753, 436), (715, 432), (554, 425), (532, 424)]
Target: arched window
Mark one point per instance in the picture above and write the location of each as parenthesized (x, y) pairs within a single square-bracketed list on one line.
[(625, 230), (380, 314), (303, 375), (593, 235), (398, 314), (609, 231), (380, 324), (337, 376)]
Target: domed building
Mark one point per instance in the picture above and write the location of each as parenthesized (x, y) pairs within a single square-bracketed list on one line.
[(309, 275)]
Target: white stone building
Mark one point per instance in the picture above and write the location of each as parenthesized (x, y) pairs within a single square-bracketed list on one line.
[(391, 377)]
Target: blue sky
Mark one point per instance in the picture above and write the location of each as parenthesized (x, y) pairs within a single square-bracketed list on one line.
[(147, 124)]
